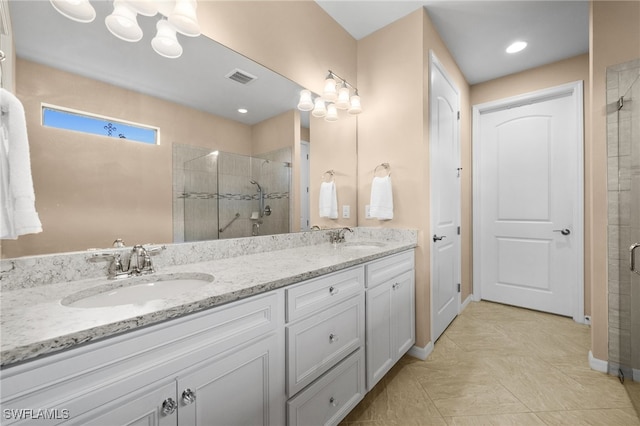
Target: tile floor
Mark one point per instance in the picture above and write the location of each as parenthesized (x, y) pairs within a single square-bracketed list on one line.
[(500, 365)]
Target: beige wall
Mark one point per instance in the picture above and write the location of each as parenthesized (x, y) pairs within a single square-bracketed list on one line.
[(566, 71), (614, 39), (393, 73), (90, 189)]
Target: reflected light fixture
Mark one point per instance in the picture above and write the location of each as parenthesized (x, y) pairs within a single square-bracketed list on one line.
[(516, 47), (76, 10), (123, 21), (332, 99)]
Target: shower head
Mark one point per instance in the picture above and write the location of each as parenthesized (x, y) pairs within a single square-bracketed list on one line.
[(256, 184)]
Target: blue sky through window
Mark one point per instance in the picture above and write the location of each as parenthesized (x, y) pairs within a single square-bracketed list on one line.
[(97, 126)]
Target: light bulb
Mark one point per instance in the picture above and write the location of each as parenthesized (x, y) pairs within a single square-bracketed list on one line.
[(332, 113), (76, 10), (343, 97), (319, 110), (123, 22), (184, 18), (355, 107), (330, 93), (516, 47), (305, 103), (165, 42)]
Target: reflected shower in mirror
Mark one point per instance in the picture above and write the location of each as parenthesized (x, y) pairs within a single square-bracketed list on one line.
[(91, 189)]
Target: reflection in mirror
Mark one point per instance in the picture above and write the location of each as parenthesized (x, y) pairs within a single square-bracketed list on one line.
[(91, 189)]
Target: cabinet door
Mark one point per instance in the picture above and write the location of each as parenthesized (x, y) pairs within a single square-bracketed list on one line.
[(403, 313), (145, 408), (380, 329), (243, 387)]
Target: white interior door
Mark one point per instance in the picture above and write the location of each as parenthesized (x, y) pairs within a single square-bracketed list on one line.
[(444, 151), (528, 201)]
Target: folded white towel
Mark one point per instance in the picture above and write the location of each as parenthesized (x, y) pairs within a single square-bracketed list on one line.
[(381, 204), (328, 200), (18, 212)]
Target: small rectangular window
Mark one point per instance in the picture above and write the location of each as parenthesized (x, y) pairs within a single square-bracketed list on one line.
[(62, 118)]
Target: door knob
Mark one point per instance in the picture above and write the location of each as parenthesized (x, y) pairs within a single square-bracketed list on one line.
[(564, 231), (436, 238)]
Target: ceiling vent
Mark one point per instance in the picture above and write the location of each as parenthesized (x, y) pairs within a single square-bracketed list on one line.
[(241, 77)]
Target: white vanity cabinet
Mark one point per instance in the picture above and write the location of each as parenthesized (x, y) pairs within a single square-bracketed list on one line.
[(390, 298), (325, 336), (221, 366)]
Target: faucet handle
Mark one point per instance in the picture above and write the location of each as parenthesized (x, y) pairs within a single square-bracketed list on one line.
[(116, 270)]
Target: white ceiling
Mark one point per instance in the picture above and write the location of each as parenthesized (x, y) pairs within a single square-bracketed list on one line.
[(478, 32)]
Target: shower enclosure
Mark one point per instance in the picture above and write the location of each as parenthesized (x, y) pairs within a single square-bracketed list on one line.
[(623, 140), (223, 195)]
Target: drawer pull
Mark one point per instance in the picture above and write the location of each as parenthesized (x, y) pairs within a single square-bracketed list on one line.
[(333, 338), (169, 406), (395, 286), (188, 396), (333, 402), (333, 291)]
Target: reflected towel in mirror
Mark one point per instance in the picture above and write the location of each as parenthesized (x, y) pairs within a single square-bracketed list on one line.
[(328, 200), (381, 204), (18, 214)]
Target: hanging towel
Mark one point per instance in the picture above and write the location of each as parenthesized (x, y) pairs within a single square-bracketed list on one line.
[(381, 204), (328, 200), (18, 214)]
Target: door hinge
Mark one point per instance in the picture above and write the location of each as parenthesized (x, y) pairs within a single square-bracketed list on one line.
[(458, 115), (458, 287), (458, 230)]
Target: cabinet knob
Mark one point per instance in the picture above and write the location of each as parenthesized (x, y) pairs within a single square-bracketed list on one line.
[(395, 286), (188, 396), (333, 338), (333, 402), (333, 291), (169, 406)]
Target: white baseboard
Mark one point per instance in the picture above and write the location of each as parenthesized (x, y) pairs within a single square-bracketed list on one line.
[(598, 364), (421, 353), (466, 302)]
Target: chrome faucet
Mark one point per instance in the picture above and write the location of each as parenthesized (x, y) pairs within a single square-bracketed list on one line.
[(139, 262), (337, 236)]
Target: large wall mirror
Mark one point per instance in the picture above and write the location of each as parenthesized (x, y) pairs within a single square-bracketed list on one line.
[(215, 173)]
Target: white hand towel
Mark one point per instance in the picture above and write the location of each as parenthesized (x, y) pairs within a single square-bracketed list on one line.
[(328, 200), (381, 204), (19, 216)]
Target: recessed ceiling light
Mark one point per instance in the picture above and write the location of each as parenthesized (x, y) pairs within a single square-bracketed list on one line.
[(516, 46), (243, 110)]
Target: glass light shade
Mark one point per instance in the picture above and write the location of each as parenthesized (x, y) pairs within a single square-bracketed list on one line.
[(343, 97), (319, 110), (184, 18), (144, 7), (355, 107), (165, 42), (330, 92), (332, 113), (123, 22), (76, 10), (306, 103)]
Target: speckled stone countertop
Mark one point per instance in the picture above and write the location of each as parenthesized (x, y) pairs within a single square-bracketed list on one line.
[(34, 322)]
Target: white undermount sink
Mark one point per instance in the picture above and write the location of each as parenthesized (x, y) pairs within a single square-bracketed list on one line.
[(138, 290)]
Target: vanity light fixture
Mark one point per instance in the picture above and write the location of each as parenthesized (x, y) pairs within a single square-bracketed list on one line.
[(332, 99), (123, 21), (516, 47)]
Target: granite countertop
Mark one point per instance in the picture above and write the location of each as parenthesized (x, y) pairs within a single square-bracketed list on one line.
[(34, 322)]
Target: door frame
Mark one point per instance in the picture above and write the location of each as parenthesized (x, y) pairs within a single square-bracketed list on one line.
[(575, 90), (434, 62)]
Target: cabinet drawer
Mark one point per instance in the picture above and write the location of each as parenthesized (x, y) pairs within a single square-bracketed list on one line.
[(382, 270), (320, 293), (330, 399), (318, 343)]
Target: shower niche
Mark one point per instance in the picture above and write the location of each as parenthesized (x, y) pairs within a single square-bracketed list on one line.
[(219, 195)]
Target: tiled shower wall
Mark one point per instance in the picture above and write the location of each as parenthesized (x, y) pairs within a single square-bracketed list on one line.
[(623, 133), (210, 190)]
